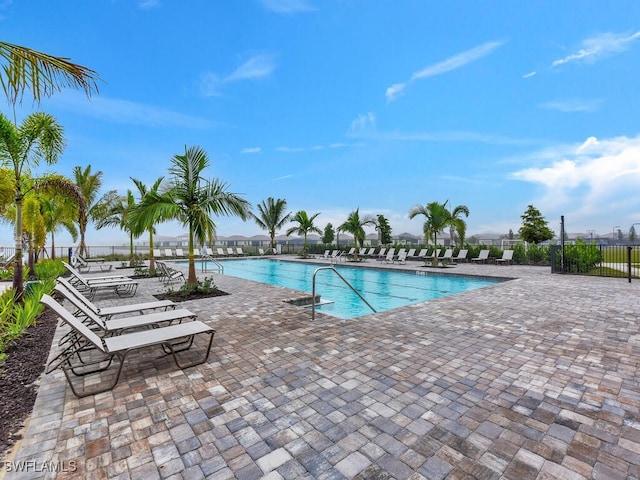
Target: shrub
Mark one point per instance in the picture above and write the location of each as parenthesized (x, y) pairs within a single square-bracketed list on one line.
[(581, 257)]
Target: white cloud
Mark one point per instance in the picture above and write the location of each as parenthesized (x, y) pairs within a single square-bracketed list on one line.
[(290, 149), (258, 66), (288, 6), (598, 47), (252, 150), (529, 75), (572, 105), (362, 124), (126, 112), (451, 63), (148, 4), (394, 91), (589, 182)]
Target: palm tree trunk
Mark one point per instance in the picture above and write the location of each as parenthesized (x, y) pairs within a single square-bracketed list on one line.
[(131, 261), (152, 263), (191, 279), (53, 247), (17, 272)]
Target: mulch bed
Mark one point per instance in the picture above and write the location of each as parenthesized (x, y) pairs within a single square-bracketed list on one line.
[(25, 363)]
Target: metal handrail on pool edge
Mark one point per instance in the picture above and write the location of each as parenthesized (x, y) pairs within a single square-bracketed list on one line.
[(313, 291), (208, 258)]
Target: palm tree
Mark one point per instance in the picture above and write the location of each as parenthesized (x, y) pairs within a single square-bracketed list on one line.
[(39, 137), (437, 219), (192, 200), (119, 215), (42, 74), (272, 217), (457, 224), (96, 208), (305, 226), (355, 226), (58, 212), (137, 220)]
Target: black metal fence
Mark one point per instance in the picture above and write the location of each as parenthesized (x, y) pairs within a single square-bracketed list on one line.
[(598, 260)]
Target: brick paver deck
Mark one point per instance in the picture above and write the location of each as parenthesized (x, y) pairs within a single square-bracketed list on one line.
[(534, 378)]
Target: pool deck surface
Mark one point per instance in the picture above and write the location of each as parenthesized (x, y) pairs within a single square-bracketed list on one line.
[(532, 378)]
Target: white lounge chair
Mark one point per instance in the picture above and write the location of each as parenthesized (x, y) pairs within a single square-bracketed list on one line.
[(122, 286), (220, 252), (85, 265), (79, 358), (168, 253), (109, 312), (482, 256), (384, 256), (401, 257), (180, 253), (447, 256), (461, 257), (115, 326), (168, 274), (422, 255), (507, 258), (239, 251)]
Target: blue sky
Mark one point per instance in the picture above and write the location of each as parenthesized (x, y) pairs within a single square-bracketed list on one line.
[(339, 104)]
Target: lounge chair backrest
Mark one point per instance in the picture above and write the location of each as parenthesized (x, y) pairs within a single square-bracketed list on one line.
[(75, 273), (448, 253), (239, 251), (484, 254), (507, 255), (73, 322), (423, 252), (179, 252), (196, 252), (462, 254), (411, 252), (157, 252), (65, 283), (220, 251), (261, 251), (80, 305)]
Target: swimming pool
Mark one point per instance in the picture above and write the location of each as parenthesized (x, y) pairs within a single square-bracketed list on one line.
[(383, 289)]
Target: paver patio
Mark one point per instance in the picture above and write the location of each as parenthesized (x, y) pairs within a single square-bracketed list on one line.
[(533, 378)]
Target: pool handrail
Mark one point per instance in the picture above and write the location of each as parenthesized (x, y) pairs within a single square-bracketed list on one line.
[(313, 290), (208, 258)]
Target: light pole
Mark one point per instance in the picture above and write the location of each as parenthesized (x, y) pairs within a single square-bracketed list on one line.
[(591, 232)]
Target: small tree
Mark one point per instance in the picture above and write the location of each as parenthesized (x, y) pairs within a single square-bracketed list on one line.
[(304, 227), (329, 234), (384, 230), (355, 226), (534, 228), (632, 234), (272, 217)]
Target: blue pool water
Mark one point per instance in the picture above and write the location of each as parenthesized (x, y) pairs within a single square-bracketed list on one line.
[(383, 289)]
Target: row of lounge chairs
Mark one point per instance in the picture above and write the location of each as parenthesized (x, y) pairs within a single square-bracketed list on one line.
[(179, 252), (402, 255), (99, 336)]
